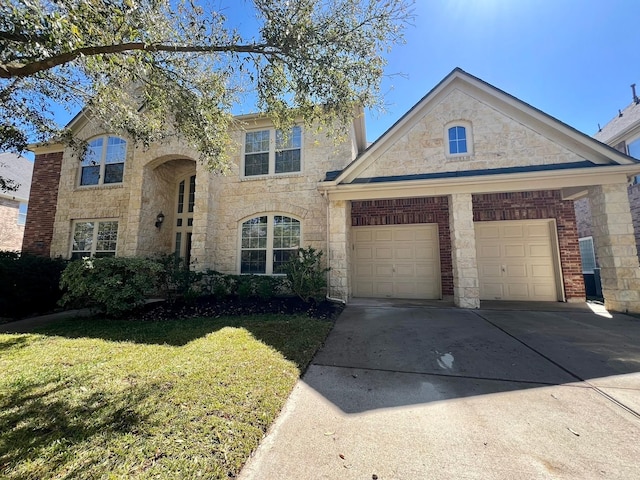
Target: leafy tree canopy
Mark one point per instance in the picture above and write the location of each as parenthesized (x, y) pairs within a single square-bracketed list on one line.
[(146, 68)]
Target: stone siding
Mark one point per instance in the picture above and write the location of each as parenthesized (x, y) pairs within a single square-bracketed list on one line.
[(407, 211), (498, 141), (537, 206), (634, 203), (222, 201), (583, 217), (11, 233), (39, 228)]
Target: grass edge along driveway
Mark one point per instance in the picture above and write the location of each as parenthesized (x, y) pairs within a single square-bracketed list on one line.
[(87, 398)]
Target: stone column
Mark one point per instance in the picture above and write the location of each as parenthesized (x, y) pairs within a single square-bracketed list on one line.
[(466, 287), (339, 249), (615, 245)]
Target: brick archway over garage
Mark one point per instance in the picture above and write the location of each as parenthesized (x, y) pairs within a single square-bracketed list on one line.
[(407, 211), (540, 205)]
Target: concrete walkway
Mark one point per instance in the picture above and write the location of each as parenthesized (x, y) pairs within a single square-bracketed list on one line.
[(404, 390)]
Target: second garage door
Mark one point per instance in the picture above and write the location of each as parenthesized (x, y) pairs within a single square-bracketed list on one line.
[(396, 261), (516, 260)]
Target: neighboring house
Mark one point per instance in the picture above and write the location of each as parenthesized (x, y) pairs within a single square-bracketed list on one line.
[(623, 134), (13, 204), (468, 196)]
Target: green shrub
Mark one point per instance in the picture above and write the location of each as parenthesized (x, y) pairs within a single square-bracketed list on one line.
[(222, 285), (28, 284), (113, 285), (177, 279), (306, 276)]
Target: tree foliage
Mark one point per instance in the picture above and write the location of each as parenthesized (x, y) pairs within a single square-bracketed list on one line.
[(150, 69)]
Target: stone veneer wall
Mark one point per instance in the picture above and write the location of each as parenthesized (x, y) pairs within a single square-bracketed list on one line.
[(11, 233), (634, 203), (406, 211), (583, 217), (38, 232), (537, 206)]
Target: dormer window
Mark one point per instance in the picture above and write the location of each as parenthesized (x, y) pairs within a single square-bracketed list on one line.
[(103, 162), (459, 141)]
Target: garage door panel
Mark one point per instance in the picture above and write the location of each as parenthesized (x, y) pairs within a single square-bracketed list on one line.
[(383, 253), (361, 236), (540, 231), (514, 250), (515, 260), (539, 250), (404, 262), (383, 270), (364, 253), (518, 291), (384, 235), (487, 231), (404, 253), (514, 271), (489, 251), (492, 290), (513, 231)]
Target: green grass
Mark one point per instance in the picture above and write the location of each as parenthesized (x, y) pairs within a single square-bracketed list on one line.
[(120, 399)]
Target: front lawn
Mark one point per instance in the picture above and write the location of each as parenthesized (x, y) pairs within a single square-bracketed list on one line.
[(122, 399)]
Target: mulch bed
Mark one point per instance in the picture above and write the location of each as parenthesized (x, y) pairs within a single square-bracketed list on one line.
[(233, 306)]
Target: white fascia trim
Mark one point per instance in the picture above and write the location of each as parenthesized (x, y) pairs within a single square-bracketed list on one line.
[(512, 182)]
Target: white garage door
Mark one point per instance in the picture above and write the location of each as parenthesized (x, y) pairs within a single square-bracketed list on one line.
[(516, 260), (396, 261)]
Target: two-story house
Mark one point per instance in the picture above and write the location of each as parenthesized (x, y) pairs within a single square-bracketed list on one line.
[(13, 203), (468, 196), (623, 134)]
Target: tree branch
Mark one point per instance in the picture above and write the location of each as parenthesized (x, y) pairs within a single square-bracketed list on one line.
[(13, 71)]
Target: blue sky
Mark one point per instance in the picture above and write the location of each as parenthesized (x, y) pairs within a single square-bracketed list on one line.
[(573, 59)]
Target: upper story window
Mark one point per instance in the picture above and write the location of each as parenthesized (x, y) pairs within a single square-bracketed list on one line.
[(271, 152), (267, 243), (22, 213), (459, 141), (94, 238), (103, 162), (633, 148)]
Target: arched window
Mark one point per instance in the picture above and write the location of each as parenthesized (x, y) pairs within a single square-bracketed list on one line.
[(267, 243), (457, 140), (103, 162)]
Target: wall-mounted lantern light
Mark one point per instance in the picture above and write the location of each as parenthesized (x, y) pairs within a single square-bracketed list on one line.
[(159, 220)]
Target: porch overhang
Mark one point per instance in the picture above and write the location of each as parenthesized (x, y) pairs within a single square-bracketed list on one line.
[(572, 181)]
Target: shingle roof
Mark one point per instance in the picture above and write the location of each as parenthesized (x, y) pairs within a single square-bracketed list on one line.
[(619, 125), (476, 173), (19, 169)]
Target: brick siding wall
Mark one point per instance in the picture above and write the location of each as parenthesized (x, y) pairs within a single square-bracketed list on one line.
[(537, 206), (42, 204), (406, 211)]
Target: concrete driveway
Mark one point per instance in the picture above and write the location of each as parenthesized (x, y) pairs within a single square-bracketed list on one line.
[(408, 391)]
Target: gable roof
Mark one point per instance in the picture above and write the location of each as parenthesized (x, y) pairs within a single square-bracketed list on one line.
[(586, 147), (621, 126), (18, 169)]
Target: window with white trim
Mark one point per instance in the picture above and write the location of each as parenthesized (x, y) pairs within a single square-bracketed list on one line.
[(267, 243), (587, 254), (458, 139), (22, 213), (103, 162), (94, 238), (633, 148), (272, 152)]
